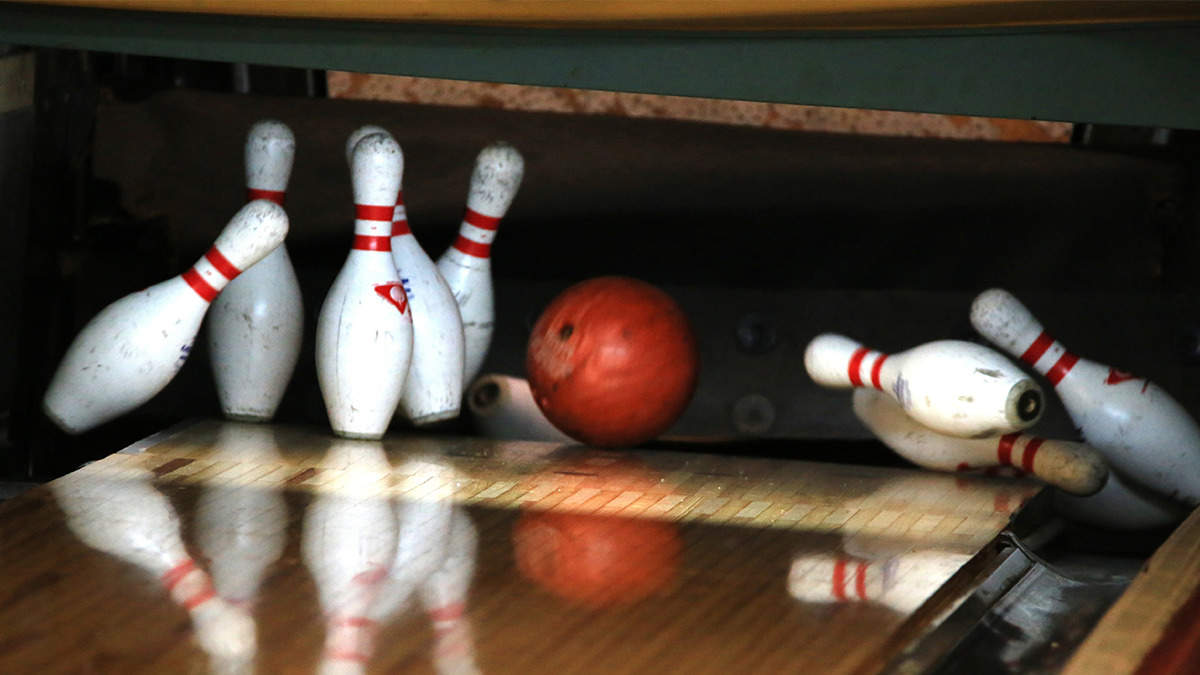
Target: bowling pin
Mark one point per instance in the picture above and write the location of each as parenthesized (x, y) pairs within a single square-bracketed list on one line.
[(503, 408), (953, 387), (433, 390), (349, 543), (902, 582), (240, 526), (365, 331), (466, 265), (1142, 432), (255, 326), (134, 347), (1074, 467), (116, 510)]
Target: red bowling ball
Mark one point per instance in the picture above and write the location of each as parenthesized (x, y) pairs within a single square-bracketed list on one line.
[(612, 361)]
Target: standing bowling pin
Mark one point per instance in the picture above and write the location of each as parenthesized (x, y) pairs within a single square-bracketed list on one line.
[(1140, 429), (466, 265), (433, 391), (134, 347), (1073, 467), (256, 324), (954, 387), (365, 331)]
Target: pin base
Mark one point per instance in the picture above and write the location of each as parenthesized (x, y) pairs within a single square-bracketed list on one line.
[(431, 418)]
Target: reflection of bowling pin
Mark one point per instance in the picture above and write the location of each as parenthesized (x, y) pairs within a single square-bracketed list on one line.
[(503, 408), (1120, 505), (467, 265), (444, 595), (1074, 467), (902, 582), (256, 324), (117, 511), (433, 391), (1140, 429), (364, 330), (954, 387), (134, 347), (241, 527), (349, 542)]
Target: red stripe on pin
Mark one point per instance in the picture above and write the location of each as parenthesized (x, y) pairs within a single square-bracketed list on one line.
[(472, 248), (875, 371), (400, 227), (372, 212), (1060, 369), (1039, 347), (839, 579), (1031, 449), (219, 261), (481, 221), (852, 369), (198, 284), (1004, 448), (400, 197), (366, 242), (269, 195), (177, 573)]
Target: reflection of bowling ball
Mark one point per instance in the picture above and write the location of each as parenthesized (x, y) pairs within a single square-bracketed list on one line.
[(596, 561), (612, 361)]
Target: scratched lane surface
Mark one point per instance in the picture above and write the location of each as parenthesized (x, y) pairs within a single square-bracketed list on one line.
[(234, 548)]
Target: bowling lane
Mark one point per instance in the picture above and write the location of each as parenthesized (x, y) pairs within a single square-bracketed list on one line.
[(233, 548)]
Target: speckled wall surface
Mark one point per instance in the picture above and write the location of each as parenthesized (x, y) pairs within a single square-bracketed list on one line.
[(772, 115)]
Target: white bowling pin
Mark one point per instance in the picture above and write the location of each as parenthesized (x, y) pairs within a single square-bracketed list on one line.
[(1142, 432), (134, 347), (256, 325), (954, 387), (241, 524), (365, 331), (503, 408), (1120, 505), (116, 510), (1073, 467), (433, 391), (466, 265), (902, 582), (349, 542)]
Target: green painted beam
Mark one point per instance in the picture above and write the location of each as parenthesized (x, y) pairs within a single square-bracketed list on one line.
[(1140, 75)]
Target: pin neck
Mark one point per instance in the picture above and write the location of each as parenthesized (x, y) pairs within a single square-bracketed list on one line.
[(210, 274), (276, 196), (373, 227)]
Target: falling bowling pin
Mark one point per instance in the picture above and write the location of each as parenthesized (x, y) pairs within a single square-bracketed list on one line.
[(134, 347), (466, 265), (954, 387), (1142, 432), (433, 390), (256, 325), (365, 331), (1074, 467)]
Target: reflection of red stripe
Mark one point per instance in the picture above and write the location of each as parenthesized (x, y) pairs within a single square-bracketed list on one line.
[(1060, 369), (400, 227), (875, 371), (481, 221), (198, 284), (364, 242), (454, 610), (472, 247), (371, 212), (219, 261), (174, 575), (348, 655), (839, 579), (856, 360), (860, 581), (1039, 347), (270, 195), (208, 593), (1031, 449), (1005, 447)]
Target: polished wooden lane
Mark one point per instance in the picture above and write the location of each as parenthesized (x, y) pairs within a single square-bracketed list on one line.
[(500, 557)]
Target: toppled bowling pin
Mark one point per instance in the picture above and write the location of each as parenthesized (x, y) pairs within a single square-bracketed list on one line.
[(256, 325), (134, 347), (503, 408), (954, 387), (116, 510), (466, 265), (1073, 467), (1142, 432), (433, 390), (365, 331)]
